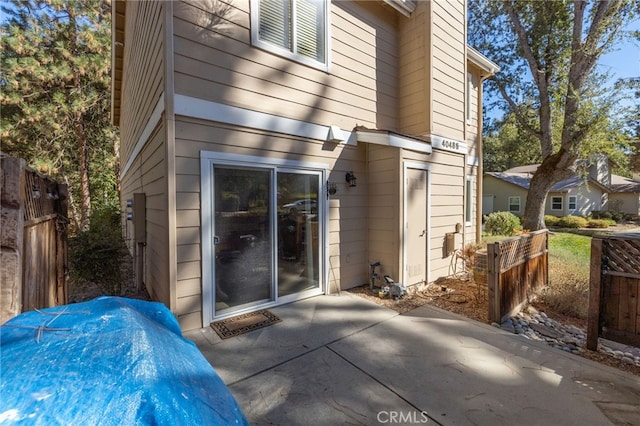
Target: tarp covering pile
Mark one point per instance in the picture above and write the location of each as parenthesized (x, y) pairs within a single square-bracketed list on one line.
[(109, 361)]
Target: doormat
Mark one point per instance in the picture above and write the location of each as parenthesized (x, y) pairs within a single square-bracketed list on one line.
[(245, 323)]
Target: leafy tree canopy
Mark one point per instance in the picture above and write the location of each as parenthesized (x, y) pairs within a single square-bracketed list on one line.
[(547, 51), (55, 94)]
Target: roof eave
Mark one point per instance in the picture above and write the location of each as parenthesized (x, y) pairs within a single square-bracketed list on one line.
[(406, 7), (118, 13), (482, 62)]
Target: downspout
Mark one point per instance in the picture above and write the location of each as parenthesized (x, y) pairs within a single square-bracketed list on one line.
[(480, 167)]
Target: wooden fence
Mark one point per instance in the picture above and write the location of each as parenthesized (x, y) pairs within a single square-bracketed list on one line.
[(614, 290), (516, 268), (34, 240)]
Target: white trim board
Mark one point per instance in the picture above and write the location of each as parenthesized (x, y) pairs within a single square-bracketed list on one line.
[(153, 121), (214, 111)]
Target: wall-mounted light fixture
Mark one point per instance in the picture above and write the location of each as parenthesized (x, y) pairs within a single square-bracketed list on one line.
[(351, 178)]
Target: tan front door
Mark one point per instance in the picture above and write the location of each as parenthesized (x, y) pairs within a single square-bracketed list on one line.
[(416, 226)]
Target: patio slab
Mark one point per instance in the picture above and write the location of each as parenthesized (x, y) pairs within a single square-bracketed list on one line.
[(337, 360)]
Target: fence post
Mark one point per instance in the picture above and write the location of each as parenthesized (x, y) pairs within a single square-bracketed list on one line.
[(595, 287), (11, 235), (493, 281)]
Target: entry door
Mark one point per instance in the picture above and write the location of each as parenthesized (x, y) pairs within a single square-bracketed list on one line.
[(416, 237), (243, 237)]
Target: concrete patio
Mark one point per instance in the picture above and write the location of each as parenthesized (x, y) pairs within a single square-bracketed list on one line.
[(344, 360)]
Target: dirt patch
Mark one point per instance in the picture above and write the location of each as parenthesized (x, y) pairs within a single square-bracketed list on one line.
[(467, 299), (81, 290)]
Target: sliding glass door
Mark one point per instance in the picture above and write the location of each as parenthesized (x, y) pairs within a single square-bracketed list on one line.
[(266, 235), (243, 237)]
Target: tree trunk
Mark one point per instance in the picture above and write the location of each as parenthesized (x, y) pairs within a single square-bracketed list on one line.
[(553, 169), (83, 159), (81, 136)]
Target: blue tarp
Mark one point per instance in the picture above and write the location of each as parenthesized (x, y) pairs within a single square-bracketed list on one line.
[(109, 361)]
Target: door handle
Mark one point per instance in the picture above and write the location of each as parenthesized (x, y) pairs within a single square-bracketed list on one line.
[(424, 231), (216, 240)]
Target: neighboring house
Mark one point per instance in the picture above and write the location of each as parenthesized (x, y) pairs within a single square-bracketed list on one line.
[(625, 194), (230, 112), (578, 195)]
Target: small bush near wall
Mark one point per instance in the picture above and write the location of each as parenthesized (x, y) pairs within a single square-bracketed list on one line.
[(95, 255), (600, 223), (502, 223), (572, 222), (615, 215), (550, 220)]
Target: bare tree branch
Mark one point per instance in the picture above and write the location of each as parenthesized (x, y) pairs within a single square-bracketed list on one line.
[(541, 80)]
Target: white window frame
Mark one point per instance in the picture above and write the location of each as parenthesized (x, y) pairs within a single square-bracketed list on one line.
[(516, 197), (468, 198), (556, 197), (209, 159), (292, 54), (574, 202)]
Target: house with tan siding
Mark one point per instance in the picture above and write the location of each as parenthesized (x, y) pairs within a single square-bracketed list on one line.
[(593, 189), (272, 150)]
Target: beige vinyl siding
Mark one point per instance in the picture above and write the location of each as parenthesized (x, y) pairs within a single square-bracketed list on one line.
[(347, 229), (415, 72), (215, 61), (384, 214), (448, 62), (447, 201), (143, 81), (148, 176), (143, 71)]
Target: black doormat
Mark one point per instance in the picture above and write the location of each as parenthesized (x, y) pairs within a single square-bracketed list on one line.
[(245, 323)]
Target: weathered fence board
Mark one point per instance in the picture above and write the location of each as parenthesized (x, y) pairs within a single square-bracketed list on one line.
[(34, 240), (516, 268), (614, 290)]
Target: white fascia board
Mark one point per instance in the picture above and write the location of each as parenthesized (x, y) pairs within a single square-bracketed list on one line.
[(228, 114), (156, 115), (481, 61), (394, 140)]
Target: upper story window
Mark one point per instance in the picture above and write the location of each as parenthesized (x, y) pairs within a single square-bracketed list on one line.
[(296, 29)]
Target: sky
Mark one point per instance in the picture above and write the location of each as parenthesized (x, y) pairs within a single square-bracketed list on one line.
[(624, 62)]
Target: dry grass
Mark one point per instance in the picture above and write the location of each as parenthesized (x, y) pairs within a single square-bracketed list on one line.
[(568, 289)]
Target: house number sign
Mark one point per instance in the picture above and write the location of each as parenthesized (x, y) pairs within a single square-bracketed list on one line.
[(448, 144)]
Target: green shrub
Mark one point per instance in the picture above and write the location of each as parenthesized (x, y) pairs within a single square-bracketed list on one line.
[(599, 223), (550, 220), (502, 223), (96, 255), (599, 214), (572, 222)]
